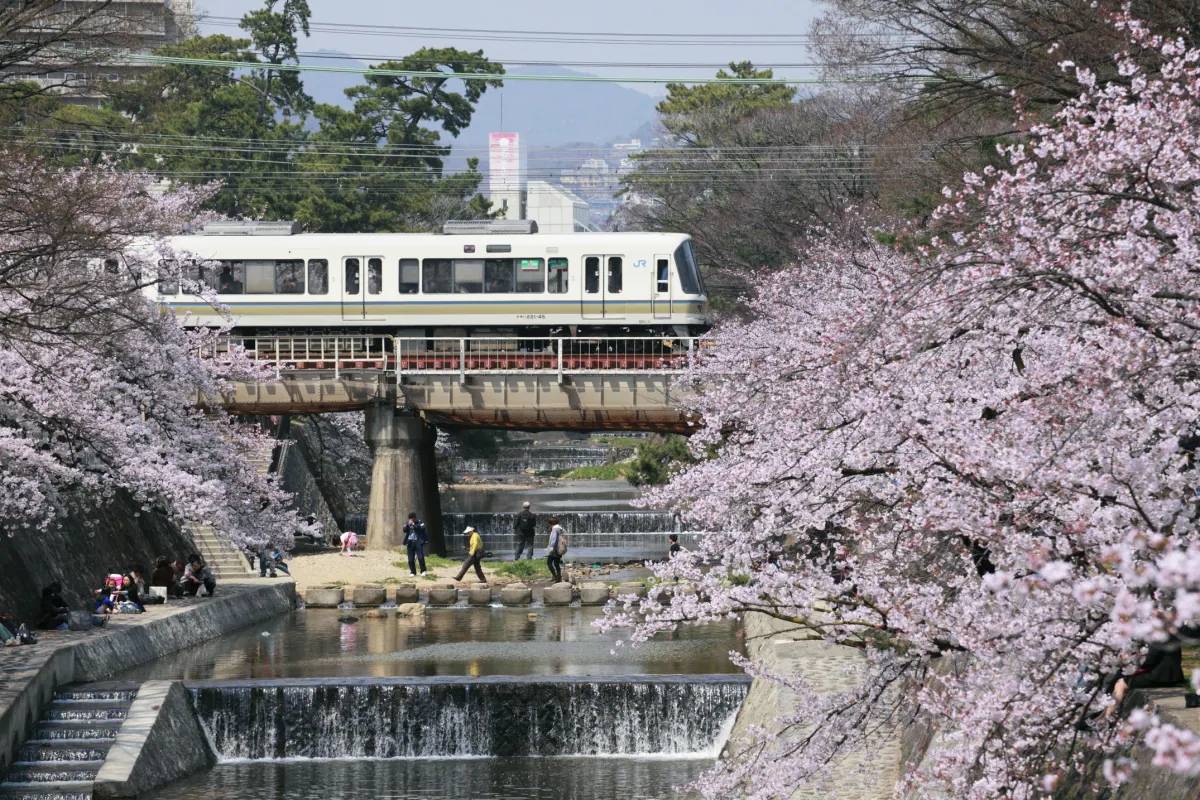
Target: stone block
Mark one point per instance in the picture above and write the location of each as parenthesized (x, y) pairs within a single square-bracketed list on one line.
[(593, 593), (368, 595), (443, 596), (406, 593), (631, 587), (376, 613), (323, 596), (410, 610), (559, 594), (516, 594), (480, 594)]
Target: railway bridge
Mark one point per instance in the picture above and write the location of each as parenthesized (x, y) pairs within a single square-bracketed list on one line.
[(409, 386)]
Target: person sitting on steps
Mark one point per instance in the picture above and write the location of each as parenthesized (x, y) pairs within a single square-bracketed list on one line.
[(197, 574)]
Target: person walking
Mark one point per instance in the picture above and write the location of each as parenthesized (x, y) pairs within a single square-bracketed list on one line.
[(556, 550), (474, 555), (415, 538), (265, 561), (524, 526)]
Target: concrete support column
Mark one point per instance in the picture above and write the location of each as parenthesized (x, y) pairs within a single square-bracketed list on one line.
[(402, 446)]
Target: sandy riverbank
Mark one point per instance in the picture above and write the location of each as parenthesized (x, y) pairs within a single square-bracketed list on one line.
[(364, 566)]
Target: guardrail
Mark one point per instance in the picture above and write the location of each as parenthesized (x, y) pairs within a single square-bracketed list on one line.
[(465, 356)]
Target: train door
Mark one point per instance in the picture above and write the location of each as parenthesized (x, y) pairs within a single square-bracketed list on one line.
[(603, 287), (362, 281), (660, 292)]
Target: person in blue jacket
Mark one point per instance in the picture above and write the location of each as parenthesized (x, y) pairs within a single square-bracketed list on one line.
[(415, 538)]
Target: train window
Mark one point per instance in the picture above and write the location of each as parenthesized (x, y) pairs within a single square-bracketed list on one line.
[(689, 273), (663, 278), (318, 276), (200, 274), (289, 277), (468, 276), (499, 276), (374, 275), (531, 275), (437, 276), (260, 277), (410, 276), (168, 271), (614, 275), (591, 274), (351, 284), (558, 276), (111, 265)]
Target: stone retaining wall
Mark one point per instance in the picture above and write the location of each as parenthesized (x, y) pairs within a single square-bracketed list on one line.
[(32, 673)]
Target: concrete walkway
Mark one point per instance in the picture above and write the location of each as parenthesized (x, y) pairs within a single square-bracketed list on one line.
[(29, 674)]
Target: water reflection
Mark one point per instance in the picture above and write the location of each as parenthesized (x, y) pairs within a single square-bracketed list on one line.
[(443, 779), (450, 641)]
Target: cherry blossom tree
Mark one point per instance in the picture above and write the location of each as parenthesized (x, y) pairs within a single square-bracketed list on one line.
[(100, 388), (972, 460)]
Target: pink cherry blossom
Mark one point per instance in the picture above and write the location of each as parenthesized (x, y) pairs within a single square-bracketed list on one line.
[(971, 461)]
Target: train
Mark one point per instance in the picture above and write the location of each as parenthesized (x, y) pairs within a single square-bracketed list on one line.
[(477, 278)]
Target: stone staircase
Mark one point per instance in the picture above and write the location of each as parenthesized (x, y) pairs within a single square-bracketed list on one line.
[(225, 560), (69, 745)]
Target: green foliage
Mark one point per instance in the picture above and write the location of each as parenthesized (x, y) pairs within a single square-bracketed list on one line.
[(528, 569), (279, 156), (658, 458), (275, 37), (479, 443), (600, 472), (692, 112)]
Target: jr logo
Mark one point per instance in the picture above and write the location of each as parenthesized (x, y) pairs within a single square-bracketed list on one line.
[(641, 263)]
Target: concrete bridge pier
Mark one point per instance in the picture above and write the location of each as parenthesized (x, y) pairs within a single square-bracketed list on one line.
[(403, 478)]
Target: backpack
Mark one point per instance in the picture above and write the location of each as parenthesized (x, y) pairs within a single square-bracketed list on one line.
[(560, 544)]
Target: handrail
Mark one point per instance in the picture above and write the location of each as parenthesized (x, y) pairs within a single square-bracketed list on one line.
[(463, 356)]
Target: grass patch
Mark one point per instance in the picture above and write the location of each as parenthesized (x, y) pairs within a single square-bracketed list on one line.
[(601, 472), (336, 584), (524, 570), (431, 562)]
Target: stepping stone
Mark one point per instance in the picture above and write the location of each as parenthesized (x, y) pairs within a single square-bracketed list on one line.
[(631, 587), (559, 594), (480, 594), (406, 593), (368, 595), (593, 593), (410, 610), (324, 596), (516, 594), (443, 596)]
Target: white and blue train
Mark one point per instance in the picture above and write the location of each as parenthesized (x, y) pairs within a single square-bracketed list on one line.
[(475, 279)]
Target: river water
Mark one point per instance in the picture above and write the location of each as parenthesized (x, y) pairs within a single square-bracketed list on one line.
[(443, 779), (446, 641)]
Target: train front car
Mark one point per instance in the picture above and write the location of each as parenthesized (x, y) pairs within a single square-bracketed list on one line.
[(473, 280)]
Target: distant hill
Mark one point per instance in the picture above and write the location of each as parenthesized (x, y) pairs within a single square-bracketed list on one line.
[(545, 113)]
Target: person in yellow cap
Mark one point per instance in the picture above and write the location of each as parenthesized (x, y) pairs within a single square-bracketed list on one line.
[(474, 555)]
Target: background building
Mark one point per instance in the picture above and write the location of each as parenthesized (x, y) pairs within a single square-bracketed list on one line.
[(103, 52), (557, 210)]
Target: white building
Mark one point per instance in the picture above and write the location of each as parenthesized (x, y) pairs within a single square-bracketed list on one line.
[(555, 209), (506, 173)]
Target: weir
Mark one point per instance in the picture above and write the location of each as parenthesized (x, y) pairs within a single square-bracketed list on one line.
[(617, 534), (440, 717)]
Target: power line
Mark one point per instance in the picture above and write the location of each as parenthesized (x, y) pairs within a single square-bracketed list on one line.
[(158, 60)]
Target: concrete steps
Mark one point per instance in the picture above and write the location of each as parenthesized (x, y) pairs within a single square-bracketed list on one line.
[(225, 560), (70, 744)]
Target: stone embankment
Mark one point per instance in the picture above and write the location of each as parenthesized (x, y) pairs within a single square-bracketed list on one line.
[(31, 674)]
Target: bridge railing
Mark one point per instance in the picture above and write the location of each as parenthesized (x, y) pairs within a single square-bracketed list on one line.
[(464, 356), (557, 355)]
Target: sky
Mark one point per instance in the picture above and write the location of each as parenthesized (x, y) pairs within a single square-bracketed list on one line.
[(702, 17)]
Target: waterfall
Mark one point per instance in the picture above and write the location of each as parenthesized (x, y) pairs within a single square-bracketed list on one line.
[(638, 532), (499, 716), (513, 460)]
